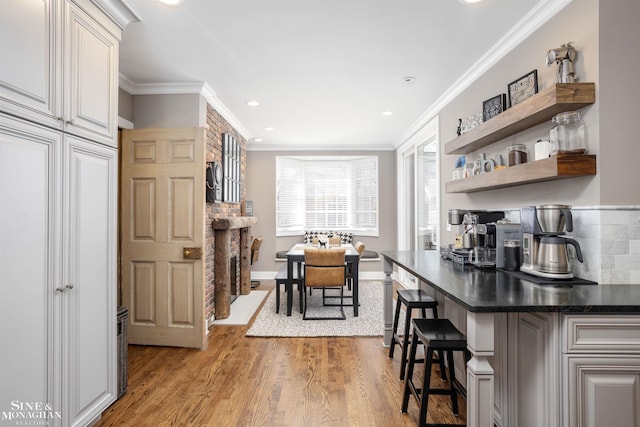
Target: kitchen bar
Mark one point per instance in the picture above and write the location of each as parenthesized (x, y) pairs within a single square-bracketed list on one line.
[(486, 294)]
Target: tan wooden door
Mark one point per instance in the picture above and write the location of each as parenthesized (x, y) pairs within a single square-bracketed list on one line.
[(163, 213)]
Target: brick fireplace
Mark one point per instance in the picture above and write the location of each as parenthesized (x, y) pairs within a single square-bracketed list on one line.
[(223, 229), (216, 127)]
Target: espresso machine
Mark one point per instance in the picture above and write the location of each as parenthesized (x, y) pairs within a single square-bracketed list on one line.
[(476, 229), (544, 245)]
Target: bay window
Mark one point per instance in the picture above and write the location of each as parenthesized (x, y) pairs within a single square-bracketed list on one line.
[(327, 193)]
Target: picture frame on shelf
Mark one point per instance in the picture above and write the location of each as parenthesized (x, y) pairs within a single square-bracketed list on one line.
[(494, 106), (523, 88)]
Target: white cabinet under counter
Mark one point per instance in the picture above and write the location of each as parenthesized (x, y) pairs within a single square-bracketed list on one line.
[(601, 362), (552, 356)]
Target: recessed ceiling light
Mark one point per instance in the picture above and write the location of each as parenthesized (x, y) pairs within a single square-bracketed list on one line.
[(171, 2), (253, 103), (257, 139), (409, 79), (269, 129), (387, 113), (470, 1)]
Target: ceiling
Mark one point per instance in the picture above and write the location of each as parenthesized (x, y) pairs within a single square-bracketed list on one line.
[(323, 71)]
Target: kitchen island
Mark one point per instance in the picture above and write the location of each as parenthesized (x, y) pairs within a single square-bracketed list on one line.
[(563, 355)]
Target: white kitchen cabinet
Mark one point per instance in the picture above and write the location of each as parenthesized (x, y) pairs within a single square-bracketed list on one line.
[(603, 390), (60, 66), (534, 379), (57, 272), (602, 370), (29, 263), (88, 280), (527, 363)]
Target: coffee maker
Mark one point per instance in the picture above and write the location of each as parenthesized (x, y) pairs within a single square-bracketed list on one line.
[(480, 237), (544, 246)]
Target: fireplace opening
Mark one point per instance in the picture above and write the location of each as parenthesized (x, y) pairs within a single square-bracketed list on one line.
[(233, 276)]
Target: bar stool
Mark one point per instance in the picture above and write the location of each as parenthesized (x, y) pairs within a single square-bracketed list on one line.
[(411, 299), (435, 335)]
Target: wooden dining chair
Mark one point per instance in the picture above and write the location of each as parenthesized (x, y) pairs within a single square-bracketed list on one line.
[(324, 268)]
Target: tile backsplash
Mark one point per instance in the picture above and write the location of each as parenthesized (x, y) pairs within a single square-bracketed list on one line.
[(610, 240)]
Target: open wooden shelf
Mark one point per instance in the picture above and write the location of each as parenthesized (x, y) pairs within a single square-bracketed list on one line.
[(555, 167), (539, 108)]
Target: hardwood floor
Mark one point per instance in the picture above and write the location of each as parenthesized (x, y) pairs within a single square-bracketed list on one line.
[(249, 381)]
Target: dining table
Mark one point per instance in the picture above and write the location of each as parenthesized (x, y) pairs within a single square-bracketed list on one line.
[(295, 259)]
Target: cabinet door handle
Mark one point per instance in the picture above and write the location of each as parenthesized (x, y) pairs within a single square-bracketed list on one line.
[(60, 289), (69, 286)]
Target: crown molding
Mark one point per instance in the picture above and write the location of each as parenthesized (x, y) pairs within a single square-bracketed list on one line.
[(222, 109), (118, 11), (529, 24), (125, 84), (259, 146), (181, 88)]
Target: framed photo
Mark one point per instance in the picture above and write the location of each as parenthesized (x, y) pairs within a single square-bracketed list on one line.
[(523, 88), (493, 106)]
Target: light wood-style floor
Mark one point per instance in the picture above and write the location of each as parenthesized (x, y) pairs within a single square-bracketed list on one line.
[(249, 381)]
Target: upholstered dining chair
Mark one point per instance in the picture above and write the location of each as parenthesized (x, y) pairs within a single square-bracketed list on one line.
[(335, 241), (324, 268)]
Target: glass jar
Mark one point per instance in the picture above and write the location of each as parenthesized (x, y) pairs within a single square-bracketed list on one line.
[(517, 154), (567, 134)]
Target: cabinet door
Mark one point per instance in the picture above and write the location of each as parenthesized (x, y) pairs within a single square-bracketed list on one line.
[(603, 390), (28, 258), (89, 315), (534, 377), (29, 83), (90, 77)]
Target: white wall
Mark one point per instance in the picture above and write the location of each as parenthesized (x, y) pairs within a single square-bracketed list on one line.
[(578, 22), (607, 205), (168, 111), (619, 92)]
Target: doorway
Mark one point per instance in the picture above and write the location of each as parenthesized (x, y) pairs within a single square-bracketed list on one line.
[(419, 194), (162, 223)]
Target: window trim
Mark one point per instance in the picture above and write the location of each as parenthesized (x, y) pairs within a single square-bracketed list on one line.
[(373, 231)]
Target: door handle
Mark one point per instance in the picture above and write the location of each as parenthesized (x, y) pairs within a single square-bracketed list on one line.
[(191, 253)]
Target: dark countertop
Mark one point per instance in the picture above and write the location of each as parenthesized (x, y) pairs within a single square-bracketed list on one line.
[(496, 291)]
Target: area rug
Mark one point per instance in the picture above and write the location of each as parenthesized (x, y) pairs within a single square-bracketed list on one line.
[(370, 320), (243, 309)]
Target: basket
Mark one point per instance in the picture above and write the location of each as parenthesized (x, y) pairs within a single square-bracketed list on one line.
[(123, 318)]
